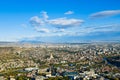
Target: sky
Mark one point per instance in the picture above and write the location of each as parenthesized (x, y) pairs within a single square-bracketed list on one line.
[(60, 20)]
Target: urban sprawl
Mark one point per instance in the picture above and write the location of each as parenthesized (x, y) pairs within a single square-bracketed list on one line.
[(87, 61)]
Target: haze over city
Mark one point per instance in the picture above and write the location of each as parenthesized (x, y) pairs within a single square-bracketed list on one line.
[(59, 20)]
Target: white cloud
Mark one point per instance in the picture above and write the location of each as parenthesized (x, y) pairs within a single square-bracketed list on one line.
[(105, 13), (44, 15), (66, 26), (36, 21), (69, 12), (65, 23), (95, 29), (43, 30), (58, 22), (58, 30)]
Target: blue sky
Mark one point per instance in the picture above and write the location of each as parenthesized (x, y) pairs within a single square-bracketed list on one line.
[(59, 20)]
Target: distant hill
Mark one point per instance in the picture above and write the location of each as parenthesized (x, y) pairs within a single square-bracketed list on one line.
[(72, 43), (30, 41)]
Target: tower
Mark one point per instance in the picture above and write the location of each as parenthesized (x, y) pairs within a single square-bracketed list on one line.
[(51, 56)]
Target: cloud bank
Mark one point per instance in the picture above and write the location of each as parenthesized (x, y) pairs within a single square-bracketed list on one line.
[(105, 14), (64, 26)]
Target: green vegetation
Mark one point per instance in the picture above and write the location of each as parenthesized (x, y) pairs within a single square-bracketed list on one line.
[(58, 78)]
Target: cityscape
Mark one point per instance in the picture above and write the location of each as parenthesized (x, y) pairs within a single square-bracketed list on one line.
[(60, 40), (85, 61)]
